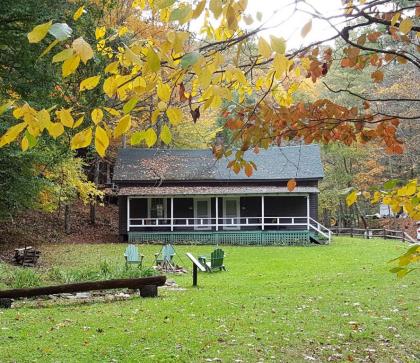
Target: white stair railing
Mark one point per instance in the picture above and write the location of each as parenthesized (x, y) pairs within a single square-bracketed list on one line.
[(321, 229)]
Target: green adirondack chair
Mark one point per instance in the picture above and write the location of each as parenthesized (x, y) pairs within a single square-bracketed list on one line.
[(216, 261), (165, 257), (132, 256)]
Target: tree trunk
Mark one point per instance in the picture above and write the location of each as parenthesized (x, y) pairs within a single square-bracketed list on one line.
[(365, 225), (96, 181), (67, 219), (108, 173)]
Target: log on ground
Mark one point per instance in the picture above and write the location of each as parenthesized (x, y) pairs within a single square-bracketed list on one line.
[(84, 286)]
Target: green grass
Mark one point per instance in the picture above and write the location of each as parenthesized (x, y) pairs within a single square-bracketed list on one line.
[(279, 304)]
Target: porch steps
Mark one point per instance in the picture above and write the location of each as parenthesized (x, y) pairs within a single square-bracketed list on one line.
[(317, 238), (244, 238)]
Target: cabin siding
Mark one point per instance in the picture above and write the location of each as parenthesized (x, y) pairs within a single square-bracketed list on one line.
[(313, 206), (122, 223)]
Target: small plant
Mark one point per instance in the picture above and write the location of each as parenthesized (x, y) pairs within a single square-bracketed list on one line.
[(105, 269), (21, 277), (56, 274)]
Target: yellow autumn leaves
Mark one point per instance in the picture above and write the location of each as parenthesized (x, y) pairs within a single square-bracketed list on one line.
[(71, 57), (405, 198), (35, 122)]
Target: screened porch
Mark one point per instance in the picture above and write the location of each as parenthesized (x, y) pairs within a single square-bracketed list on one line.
[(224, 213)]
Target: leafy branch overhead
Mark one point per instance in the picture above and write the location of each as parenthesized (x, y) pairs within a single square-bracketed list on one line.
[(145, 86)]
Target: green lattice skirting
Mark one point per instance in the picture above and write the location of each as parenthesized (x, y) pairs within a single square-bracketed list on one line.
[(245, 238)]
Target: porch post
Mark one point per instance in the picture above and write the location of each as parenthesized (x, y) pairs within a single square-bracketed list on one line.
[(217, 213), (128, 214), (307, 212), (172, 214), (262, 212)]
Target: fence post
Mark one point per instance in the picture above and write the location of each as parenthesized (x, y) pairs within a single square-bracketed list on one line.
[(384, 231), (402, 236), (351, 231)]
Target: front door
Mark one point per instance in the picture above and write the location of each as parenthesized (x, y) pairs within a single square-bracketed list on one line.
[(202, 214), (231, 214)]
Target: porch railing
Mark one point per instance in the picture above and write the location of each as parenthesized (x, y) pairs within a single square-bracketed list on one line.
[(321, 229), (218, 222), (230, 223)]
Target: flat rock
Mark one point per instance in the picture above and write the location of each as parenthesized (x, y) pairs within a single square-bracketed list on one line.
[(82, 295)]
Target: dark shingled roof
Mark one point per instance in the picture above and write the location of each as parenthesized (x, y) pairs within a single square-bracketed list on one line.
[(276, 163)]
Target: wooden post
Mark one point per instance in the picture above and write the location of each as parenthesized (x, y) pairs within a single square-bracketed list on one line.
[(5, 303), (195, 274), (384, 232), (149, 291), (217, 213), (128, 214), (262, 212), (402, 236), (307, 212), (172, 214), (351, 231)]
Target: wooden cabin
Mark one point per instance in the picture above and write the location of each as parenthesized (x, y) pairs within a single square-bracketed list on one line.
[(187, 196)]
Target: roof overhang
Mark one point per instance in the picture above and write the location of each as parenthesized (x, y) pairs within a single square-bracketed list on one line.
[(212, 191)]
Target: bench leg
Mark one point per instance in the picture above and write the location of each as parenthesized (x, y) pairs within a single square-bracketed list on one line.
[(149, 291)]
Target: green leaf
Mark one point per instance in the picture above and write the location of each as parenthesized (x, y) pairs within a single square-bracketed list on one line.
[(162, 4), (278, 44), (130, 104), (50, 46), (31, 139), (153, 60), (189, 59), (165, 134), (137, 137), (390, 184), (5, 107), (150, 137), (180, 14)]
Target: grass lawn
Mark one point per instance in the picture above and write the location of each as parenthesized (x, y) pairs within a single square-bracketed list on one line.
[(278, 304)]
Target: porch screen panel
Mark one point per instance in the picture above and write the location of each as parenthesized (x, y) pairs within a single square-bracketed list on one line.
[(183, 208), (157, 208), (285, 206), (138, 208), (250, 206)]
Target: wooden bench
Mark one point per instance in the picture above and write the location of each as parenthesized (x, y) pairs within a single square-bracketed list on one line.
[(146, 285)]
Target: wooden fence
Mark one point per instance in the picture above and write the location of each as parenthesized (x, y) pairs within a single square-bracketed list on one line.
[(372, 233)]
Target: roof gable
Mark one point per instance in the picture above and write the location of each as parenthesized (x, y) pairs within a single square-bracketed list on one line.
[(275, 163)]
